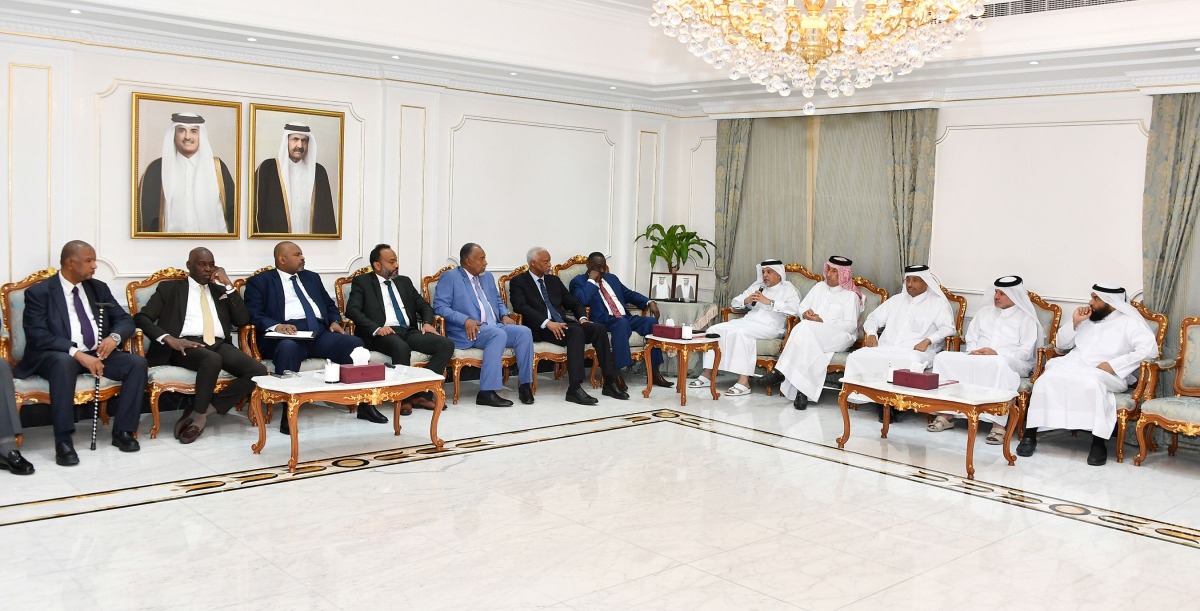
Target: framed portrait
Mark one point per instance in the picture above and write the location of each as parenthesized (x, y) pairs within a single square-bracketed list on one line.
[(187, 164), (686, 287), (296, 182), (662, 286)]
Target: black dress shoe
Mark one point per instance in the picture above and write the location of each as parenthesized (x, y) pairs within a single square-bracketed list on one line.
[(1099, 453), (525, 393), (125, 442), (1027, 446), (621, 384), (659, 380), (366, 411), (772, 378), (611, 390), (283, 422), (801, 401), (491, 399), (577, 395), (14, 462), (64, 454)]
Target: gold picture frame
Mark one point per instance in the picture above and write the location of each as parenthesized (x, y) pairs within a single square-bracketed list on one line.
[(166, 126), (296, 132)]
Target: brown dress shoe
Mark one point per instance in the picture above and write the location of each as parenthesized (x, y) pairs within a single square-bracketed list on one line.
[(406, 409), (424, 403), (190, 433), (659, 380)]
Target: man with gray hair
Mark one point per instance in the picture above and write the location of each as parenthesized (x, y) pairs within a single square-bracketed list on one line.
[(554, 315), (292, 190)]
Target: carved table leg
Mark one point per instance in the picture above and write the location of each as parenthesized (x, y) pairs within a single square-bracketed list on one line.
[(649, 376), (683, 367), (1014, 419), (887, 419), (841, 441), (257, 418), (439, 401), (716, 366), (972, 429), (293, 409)]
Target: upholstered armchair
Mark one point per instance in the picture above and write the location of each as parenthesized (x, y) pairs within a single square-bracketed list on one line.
[(471, 357), (341, 292), (1128, 401), (1181, 413), (577, 265), (542, 351), (36, 389), (161, 378), (958, 305)]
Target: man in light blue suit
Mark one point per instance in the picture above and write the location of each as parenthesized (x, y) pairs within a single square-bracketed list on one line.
[(476, 318), (606, 296)]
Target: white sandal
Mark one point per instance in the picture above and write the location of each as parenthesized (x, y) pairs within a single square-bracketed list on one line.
[(939, 424), (737, 390), (995, 438), (700, 382)]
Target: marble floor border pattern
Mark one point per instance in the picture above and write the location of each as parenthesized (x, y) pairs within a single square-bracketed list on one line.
[(47, 509)]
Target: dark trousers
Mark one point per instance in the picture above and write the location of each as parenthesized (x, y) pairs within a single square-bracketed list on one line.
[(208, 363), (621, 328), (401, 344), (577, 335), (287, 354), (10, 417), (61, 371)]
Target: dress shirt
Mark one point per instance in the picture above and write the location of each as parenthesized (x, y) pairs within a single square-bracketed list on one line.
[(605, 290), (292, 310), (389, 312), (76, 330), (193, 321)]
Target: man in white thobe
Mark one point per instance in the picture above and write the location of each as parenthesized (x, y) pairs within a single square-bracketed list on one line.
[(830, 324), (1001, 348), (915, 326), (770, 302), (1110, 339)]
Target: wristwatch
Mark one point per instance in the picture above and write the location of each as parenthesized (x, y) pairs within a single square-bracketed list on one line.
[(116, 337)]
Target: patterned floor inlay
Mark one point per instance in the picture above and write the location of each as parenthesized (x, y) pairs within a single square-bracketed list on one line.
[(155, 493)]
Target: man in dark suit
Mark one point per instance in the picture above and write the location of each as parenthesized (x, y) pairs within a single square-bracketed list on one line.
[(62, 341), (545, 304), (291, 299), (189, 323), (606, 296), (391, 317)]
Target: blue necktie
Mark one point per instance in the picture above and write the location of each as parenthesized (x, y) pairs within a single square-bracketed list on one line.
[(396, 305), (554, 315), (310, 317), (85, 321)]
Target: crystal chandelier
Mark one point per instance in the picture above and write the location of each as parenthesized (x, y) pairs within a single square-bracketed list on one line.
[(839, 49)]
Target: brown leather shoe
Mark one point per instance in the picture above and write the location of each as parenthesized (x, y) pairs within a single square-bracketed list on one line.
[(184, 420), (424, 403), (190, 433), (659, 380), (406, 409), (621, 384)]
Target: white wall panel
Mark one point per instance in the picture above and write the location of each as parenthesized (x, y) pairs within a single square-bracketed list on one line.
[(29, 169), (514, 184), (648, 171)]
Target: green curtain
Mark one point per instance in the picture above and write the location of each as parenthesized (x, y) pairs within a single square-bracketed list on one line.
[(733, 141), (913, 141), (1170, 207)]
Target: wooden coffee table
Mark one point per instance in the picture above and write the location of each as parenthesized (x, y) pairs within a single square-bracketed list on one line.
[(309, 386), (682, 347), (969, 400)]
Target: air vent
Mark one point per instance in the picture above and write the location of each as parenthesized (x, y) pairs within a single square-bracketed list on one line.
[(1021, 7)]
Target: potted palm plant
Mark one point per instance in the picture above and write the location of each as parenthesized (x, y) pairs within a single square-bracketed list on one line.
[(674, 245)]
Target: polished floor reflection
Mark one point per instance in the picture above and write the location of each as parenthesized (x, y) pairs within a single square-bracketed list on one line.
[(735, 504)]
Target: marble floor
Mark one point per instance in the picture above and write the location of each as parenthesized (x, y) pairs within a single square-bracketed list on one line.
[(741, 503)]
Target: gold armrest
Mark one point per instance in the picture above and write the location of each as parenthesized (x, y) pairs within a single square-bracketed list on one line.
[(792, 321), (348, 326), (136, 344), (1044, 354), (726, 313), (954, 343), (516, 317), (248, 342), (440, 323), (1147, 386)]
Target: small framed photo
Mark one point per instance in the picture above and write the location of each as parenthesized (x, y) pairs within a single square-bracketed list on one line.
[(187, 164), (686, 287), (662, 286), (296, 186)]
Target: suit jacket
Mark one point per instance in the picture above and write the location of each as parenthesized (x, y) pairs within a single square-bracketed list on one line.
[(271, 213), (589, 294), (367, 306), (48, 327), (454, 300), (527, 299), (167, 309), (265, 302)]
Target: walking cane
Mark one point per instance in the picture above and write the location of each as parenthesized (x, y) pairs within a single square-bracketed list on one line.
[(96, 390)]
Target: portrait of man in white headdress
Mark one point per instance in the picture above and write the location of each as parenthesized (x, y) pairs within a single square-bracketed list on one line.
[(293, 193), (188, 189)]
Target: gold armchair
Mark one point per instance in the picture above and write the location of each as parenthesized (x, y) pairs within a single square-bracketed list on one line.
[(1178, 414), (959, 304), (162, 378), (471, 357), (575, 266), (341, 288)]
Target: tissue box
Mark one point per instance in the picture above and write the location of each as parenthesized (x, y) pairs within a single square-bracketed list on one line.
[(668, 332), (371, 372), (912, 379)]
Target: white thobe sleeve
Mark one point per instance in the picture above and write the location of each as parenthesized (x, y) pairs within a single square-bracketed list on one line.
[(806, 303), (1144, 347), (1028, 333), (740, 301), (848, 321), (945, 324), (972, 337), (788, 303), (877, 318), (1065, 340)]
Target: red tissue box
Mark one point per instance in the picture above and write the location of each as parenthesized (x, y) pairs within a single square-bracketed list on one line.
[(912, 379), (668, 332), (371, 372)]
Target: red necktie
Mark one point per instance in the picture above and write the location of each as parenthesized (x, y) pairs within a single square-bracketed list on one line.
[(612, 304)]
